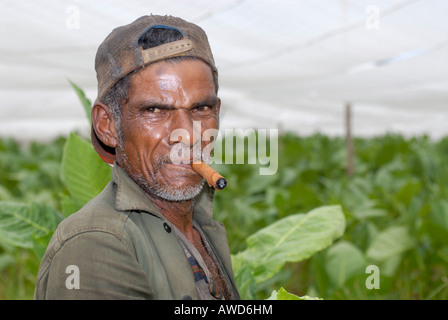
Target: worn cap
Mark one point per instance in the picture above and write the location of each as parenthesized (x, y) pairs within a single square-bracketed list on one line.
[(120, 54)]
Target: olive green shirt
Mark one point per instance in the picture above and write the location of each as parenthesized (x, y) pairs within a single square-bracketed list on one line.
[(119, 246)]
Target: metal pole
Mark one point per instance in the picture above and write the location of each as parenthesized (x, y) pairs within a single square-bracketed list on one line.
[(349, 140)]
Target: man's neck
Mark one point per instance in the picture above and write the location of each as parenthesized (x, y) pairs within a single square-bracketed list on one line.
[(179, 213)]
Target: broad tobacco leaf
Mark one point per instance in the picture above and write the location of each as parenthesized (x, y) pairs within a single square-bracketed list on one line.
[(294, 238), (83, 171), (22, 225), (344, 260), (86, 104), (389, 243)]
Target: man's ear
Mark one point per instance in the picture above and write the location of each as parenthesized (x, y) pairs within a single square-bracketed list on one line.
[(104, 124)]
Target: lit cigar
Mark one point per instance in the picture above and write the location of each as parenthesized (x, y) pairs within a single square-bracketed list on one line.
[(214, 179)]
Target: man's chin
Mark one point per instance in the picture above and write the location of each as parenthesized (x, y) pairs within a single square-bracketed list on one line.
[(178, 194), (170, 193), (167, 192)]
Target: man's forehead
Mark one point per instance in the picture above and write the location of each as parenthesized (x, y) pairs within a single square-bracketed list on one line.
[(192, 76), (165, 81)]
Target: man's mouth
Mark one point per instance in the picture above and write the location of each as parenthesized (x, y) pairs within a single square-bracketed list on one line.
[(180, 154), (184, 162), (187, 161)]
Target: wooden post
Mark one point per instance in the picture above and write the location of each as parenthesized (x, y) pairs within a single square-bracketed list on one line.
[(349, 140)]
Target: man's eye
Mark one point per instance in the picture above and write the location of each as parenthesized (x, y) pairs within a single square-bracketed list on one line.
[(203, 108), (153, 110)]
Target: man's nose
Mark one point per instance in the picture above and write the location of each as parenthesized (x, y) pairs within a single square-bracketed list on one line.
[(184, 129)]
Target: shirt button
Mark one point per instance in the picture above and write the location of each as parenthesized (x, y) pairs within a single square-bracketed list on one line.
[(167, 227)]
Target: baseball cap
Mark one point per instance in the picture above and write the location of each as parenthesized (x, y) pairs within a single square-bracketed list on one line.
[(120, 54)]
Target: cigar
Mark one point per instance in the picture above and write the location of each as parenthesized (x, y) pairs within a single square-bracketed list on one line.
[(214, 179)]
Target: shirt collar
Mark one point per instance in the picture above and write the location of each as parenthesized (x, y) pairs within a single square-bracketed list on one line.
[(129, 196)]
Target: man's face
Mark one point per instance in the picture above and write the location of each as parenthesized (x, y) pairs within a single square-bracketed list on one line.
[(163, 97)]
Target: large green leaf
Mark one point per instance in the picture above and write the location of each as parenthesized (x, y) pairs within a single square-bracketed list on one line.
[(390, 242), (83, 171), (86, 104), (290, 239), (344, 260), (21, 224), (436, 223), (244, 278)]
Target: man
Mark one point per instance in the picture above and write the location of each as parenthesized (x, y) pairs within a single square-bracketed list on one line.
[(150, 233)]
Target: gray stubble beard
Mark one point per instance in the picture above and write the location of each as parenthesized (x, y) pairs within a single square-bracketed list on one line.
[(165, 192)]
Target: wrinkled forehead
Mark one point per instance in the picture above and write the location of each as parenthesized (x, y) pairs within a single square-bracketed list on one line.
[(184, 81)]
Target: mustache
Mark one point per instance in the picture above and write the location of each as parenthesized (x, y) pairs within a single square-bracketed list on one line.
[(183, 155)]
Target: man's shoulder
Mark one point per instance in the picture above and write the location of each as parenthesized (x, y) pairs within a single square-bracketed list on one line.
[(98, 215)]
